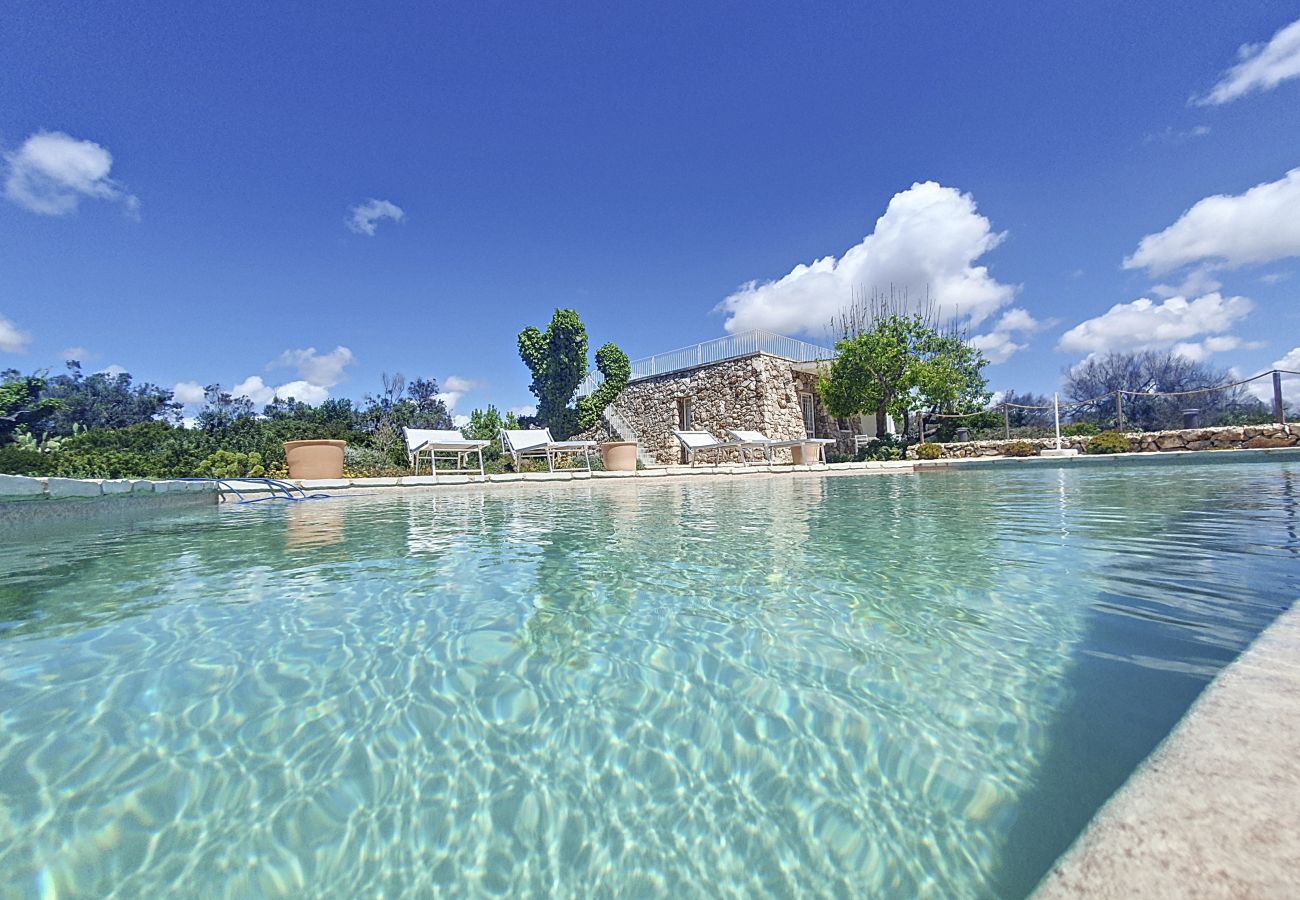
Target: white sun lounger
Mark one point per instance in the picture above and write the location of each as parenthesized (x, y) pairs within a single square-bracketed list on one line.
[(428, 443), (757, 438), (697, 441), (536, 443)]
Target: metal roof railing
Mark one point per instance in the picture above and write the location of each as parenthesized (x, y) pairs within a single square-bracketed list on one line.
[(732, 346)]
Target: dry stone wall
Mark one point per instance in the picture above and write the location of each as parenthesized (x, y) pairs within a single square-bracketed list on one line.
[(1248, 437), (758, 392)]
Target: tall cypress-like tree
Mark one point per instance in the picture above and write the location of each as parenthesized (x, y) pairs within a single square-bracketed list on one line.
[(557, 357)]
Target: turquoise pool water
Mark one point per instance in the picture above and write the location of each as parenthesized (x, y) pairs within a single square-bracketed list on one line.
[(789, 686)]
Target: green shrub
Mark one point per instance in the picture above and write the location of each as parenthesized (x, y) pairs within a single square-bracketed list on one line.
[(1018, 448), (1080, 429), (229, 464), (928, 451), (885, 448), (18, 461), (1108, 442), (370, 462)]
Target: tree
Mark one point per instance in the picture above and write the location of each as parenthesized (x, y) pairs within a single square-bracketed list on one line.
[(1143, 376), (22, 404), (221, 409), (557, 358), (105, 400), (891, 360), (486, 425), (1027, 410)]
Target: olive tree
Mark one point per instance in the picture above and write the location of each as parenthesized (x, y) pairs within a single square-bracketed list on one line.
[(892, 360)]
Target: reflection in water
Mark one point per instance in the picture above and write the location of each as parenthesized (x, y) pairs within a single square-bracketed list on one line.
[(314, 523), (785, 685)]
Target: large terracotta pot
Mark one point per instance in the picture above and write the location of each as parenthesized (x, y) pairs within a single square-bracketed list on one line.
[(806, 454), (618, 456), (314, 459)]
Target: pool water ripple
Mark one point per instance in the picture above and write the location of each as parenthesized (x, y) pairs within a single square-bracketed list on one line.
[(914, 687)]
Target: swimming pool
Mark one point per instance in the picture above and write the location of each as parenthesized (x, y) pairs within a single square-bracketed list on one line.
[(787, 685)]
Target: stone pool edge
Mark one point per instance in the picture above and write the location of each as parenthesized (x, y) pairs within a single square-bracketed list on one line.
[(1213, 810), (31, 503)]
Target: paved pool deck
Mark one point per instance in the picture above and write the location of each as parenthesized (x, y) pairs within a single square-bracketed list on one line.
[(1215, 810)]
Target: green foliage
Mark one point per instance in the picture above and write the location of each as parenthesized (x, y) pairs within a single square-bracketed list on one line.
[(1108, 442), (367, 462), (984, 421), (557, 358), (105, 400), (928, 451), (14, 460), (892, 361), (21, 404), (486, 425), (1080, 429), (885, 448), (1018, 448), (229, 464)]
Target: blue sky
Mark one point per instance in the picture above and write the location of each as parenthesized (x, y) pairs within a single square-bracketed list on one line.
[(186, 185)]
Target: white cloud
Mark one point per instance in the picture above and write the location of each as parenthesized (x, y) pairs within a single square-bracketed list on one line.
[(12, 338), (1173, 135), (261, 393), (524, 410), (366, 216), (928, 239), (51, 173), (999, 345), (453, 388), (1200, 350), (78, 354), (1201, 280), (1144, 325), (1275, 277), (1258, 226), (321, 369), (460, 421), (1263, 388), (112, 371), (188, 392), (1260, 67)]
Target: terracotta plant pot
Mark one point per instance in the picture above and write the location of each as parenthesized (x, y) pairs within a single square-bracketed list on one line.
[(806, 454), (314, 459), (618, 456)]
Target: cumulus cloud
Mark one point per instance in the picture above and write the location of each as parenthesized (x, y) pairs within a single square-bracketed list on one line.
[(460, 421), (1263, 388), (1199, 350), (188, 392), (928, 238), (112, 371), (318, 372), (78, 354), (261, 393), (524, 410), (51, 173), (365, 217), (321, 369), (1144, 325), (12, 338), (1260, 67), (1255, 227), (1201, 280), (453, 388), (999, 345)]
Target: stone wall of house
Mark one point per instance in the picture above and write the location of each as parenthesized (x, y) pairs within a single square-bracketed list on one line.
[(758, 392), (1249, 437)]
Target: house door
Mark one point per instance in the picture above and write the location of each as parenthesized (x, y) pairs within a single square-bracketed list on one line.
[(685, 421), (809, 416)]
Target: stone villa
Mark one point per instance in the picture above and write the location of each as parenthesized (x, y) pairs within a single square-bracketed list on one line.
[(755, 380)]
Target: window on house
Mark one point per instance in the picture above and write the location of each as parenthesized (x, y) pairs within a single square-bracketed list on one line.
[(809, 415), (843, 425)]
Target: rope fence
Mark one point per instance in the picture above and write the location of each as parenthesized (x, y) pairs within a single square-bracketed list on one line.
[(1124, 409)]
